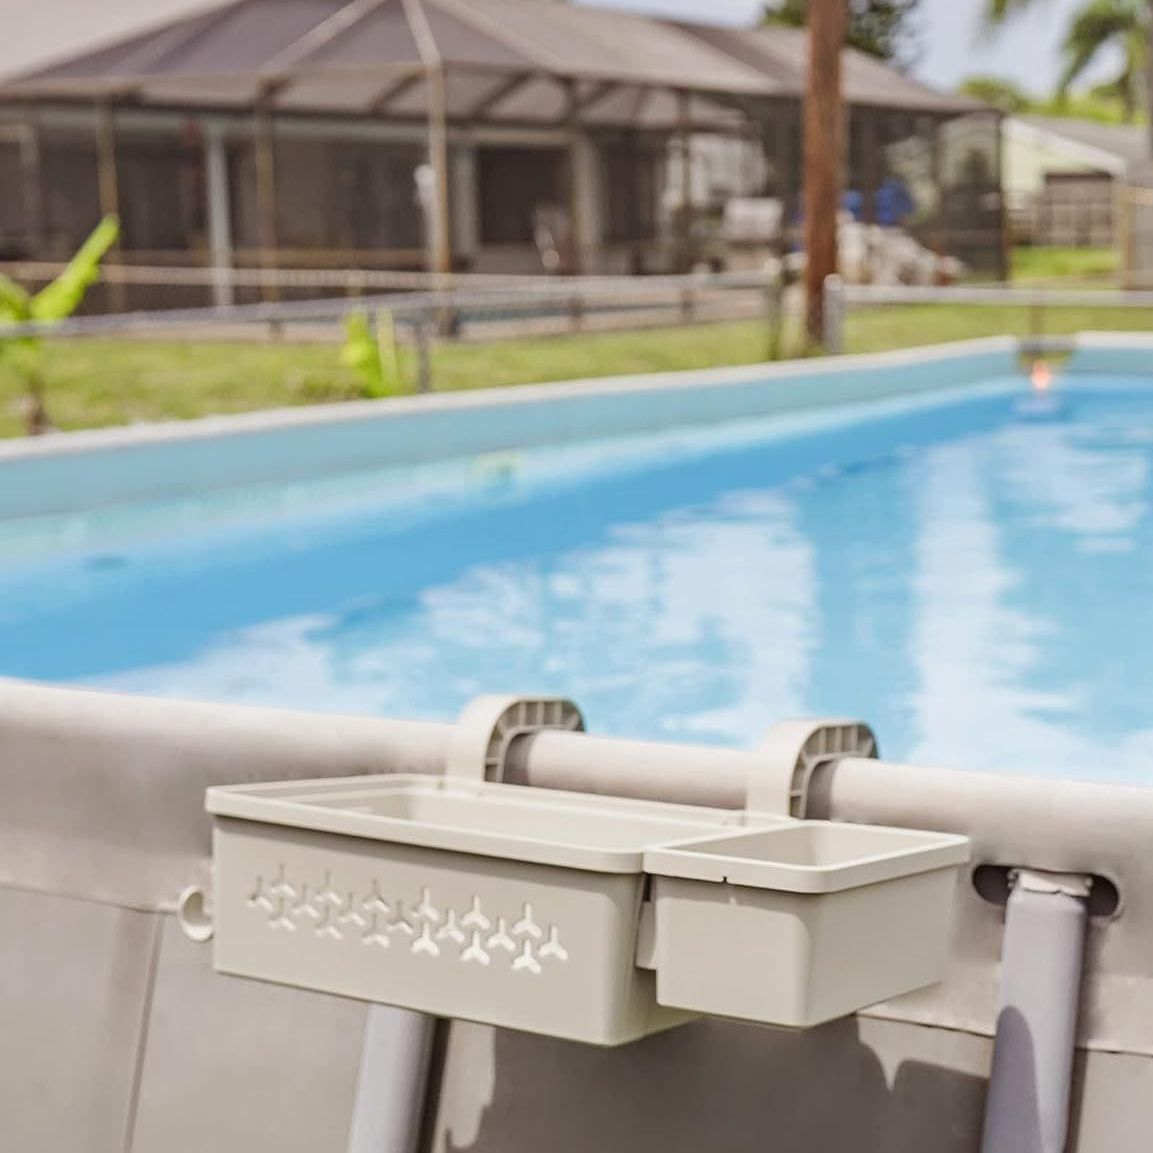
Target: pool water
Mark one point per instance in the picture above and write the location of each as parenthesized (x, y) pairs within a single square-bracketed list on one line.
[(974, 580)]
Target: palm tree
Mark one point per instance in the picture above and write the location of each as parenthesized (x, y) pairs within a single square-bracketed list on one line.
[(1103, 24)]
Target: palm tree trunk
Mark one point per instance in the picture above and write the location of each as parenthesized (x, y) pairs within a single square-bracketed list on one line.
[(1149, 81), (823, 156)]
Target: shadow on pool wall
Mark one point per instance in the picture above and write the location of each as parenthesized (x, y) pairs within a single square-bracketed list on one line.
[(134, 1043), (715, 1086)]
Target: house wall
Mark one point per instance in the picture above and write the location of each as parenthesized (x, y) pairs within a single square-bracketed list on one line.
[(1031, 154), (1059, 191), (15, 234), (346, 194)]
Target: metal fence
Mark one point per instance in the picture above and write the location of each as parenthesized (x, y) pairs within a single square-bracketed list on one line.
[(469, 302), (104, 369), (1135, 235), (1044, 318), (109, 354), (1071, 211)]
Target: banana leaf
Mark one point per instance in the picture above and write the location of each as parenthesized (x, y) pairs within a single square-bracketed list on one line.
[(62, 297)]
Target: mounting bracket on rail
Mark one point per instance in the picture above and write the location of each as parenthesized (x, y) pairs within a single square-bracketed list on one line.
[(488, 725), (793, 750)]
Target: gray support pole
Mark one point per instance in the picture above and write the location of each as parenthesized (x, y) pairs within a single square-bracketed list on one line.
[(1027, 1109), (466, 201), (108, 188), (834, 315), (584, 188), (420, 334), (775, 309), (264, 145), (440, 241), (1148, 86), (1005, 237), (684, 234), (31, 176), (393, 1081), (219, 214)]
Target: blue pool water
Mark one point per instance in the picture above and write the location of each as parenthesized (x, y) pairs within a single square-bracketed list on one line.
[(975, 582)]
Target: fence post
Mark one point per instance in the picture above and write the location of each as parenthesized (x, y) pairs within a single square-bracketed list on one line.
[(1123, 232), (576, 311), (421, 326), (688, 303), (775, 308), (1036, 321), (834, 326)]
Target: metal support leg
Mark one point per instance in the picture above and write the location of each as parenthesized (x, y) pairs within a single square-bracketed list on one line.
[(393, 1081), (1027, 1110), (834, 317), (219, 207)]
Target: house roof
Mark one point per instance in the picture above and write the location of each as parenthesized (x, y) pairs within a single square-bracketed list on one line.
[(53, 30), (783, 54), (501, 58), (1126, 143)]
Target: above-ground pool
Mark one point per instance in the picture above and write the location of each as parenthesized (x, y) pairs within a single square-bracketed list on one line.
[(974, 580)]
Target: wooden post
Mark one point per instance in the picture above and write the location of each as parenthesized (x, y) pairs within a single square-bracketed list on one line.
[(422, 326), (1004, 223), (440, 254), (1123, 233), (777, 136), (577, 229), (108, 189), (775, 308), (437, 209), (685, 218), (219, 213), (264, 150), (1148, 84), (823, 155), (31, 179), (940, 240), (864, 121)]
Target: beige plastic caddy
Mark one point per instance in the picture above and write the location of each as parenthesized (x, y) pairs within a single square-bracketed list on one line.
[(549, 911)]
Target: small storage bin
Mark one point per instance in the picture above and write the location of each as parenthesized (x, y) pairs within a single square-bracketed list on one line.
[(511, 906), (801, 924)]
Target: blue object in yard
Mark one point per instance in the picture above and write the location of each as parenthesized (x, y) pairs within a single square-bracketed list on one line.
[(892, 202)]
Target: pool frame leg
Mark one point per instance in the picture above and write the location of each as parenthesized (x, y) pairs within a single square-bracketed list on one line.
[(392, 1085)]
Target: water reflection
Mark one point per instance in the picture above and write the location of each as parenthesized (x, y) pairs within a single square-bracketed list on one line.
[(974, 585), (1033, 639), (699, 621)]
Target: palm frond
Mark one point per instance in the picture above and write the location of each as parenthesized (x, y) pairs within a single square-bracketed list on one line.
[(1096, 26), (997, 12), (14, 301), (62, 297)]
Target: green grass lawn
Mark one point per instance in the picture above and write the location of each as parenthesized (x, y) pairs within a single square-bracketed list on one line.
[(1086, 265), (97, 383)]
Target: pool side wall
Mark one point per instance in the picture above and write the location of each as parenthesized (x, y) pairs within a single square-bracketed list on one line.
[(73, 472), (118, 1037), (1111, 354)]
